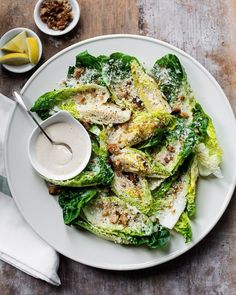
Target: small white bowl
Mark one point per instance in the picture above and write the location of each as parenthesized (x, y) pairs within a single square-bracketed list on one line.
[(44, 28), (11, 34), (85, 148)]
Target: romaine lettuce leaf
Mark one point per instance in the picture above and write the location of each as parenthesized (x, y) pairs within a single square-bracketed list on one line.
[(72, 201), (85, 102), (52, 101), (155, 140), (181, 140), (209, 153), (183, 227), (112, 219), (147, 89), (133, 189), (136, 161), (192, 183), (116, 73), (156, 240), (87, 70), (170, 206), (141, 127), (99, 141), (113, 215), (172, 80), (175, 194), (97, 172)]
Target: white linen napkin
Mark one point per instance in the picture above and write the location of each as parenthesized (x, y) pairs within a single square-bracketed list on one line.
[(20, 246)]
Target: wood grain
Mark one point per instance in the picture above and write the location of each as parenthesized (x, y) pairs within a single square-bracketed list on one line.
[(207, 31)]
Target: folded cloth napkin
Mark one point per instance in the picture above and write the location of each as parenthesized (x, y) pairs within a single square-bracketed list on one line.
[(20, 246)]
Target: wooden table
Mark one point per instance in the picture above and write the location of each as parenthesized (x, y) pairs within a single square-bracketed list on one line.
[(206, 30)]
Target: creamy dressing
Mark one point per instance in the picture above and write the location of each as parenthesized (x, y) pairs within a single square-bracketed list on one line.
[(57, 159)]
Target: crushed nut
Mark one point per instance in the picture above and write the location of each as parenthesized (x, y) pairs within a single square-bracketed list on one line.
[(168, 158), (181, 97), (171, 148), (197, 131), (53, 189), (100, 205), (184, 115), (123, 219), (133, 177), (114, 149), (117, 164), (105, 212), (114, 218), (80, 99), (57, 14), (176, 110), (78, 72)]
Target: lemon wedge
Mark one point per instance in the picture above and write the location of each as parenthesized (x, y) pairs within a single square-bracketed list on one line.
[(15, 59), (17, 44), (32, 49)]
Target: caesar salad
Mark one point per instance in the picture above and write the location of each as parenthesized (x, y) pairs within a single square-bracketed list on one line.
[(151, 140)]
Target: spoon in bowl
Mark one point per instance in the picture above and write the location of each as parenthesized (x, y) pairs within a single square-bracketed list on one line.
[(19, 100)]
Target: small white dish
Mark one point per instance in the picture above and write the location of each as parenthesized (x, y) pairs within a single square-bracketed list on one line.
[(11, 34), (45, 29), (85, 146)]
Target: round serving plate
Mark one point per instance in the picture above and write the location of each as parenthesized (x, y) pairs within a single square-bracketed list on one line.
[(42, 211)]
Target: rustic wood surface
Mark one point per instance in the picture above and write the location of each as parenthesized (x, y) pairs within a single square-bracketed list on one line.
[(206, 30)]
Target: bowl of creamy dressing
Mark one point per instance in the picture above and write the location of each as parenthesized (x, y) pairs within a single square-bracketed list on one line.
[(56, 161)]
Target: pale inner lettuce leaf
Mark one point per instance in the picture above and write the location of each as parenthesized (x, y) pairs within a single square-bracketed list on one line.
[(142, 126), (135, 161), (116, 73), (148, 90), (114, 215), (154, 183), (183, 227), (174, 204), (176, 195), (192, 184), (133, 189), (85, 102), (209, 154)]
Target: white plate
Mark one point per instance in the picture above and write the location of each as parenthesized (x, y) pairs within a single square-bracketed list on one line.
[(42, 210)]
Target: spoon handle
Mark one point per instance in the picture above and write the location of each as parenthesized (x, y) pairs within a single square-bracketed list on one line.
[(19, 100)]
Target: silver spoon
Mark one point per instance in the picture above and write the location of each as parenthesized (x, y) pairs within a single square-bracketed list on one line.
[(19, 100)]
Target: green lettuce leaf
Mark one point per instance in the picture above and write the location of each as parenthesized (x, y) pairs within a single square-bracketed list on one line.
[(115, 216), (87, 103), (133, 189), (155, 241), (112, 219), (176, 194), (72, 201), (87, 70), (99, 141), (209, 154), (172, 80), (97, 172), (183, 227), (52, 101), (116, 73), (142, 126), (192, 183), (136, 161), (181, 141), (148, 90)]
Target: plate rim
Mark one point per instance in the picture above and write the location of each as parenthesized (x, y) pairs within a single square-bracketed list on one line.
[(231, 188)]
